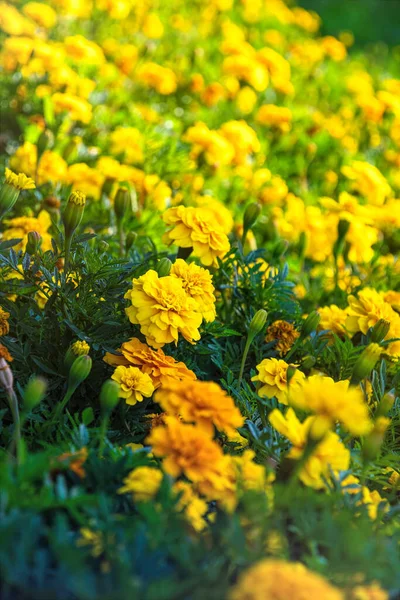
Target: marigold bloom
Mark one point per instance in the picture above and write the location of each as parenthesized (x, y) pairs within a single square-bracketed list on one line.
[(333, 319), (371, 500), (329, 455), (202, 402), (197, 283), (196, 228), (160, 367), (20, 181), (163, 309), (134, 385), (193, 507), (189, 451), (78, 108), (4, 353), (279, 580), (143, 483), (368, 592), (284, 334), (368, 181), (272, 374), (333, 401), (4, 326), (162, 79), (80, 348), (43, 15), (275, 116)]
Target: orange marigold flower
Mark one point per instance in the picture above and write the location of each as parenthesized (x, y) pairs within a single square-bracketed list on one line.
[(202, 402), (197, 228), (4, 353), (160, 367), (285, 335), (187, 450), (197, 283), (272, 374), (4, 326), (279, 580)]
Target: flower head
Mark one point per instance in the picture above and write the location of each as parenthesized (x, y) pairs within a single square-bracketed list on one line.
[(197, 283), (197, 228), (285, 335), (80, 347), (19, 182), (272, 374), (4, 326), (4, 353), (163, 309), (160, 367), (201, 402), (329, 455), (279, 580), (134, 385), (333, 401), (143, 483)]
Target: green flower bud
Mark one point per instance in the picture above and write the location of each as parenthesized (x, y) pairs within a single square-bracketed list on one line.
[(34, 393), (103, 246), (71, 149), (373, 441), (310, 324), (251, 215), (45, 141), (109, 395), (386, 404), (33, 243), (130, 240), (308, 362), (73, 212), (163, 267), (379, 331), (365, 363), (11, 188), (302, 244), (257, 323), (122, 202), (79, 371), (107, 187)]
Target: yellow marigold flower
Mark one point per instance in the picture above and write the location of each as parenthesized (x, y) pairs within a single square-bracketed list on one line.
[(89, 181), (272, 374), (187, 450), (78, 108), (333, 319), (80, 348), (163, 309), (143, 483), (333, 401), (329, 455), (243, 139), (13, 23), (160, 367), (279, 580), (250, 475), (196, 228), (202, 402), (81, 49), (129, 142), (153, 27), (134, 385), (284, 334), (197, 283), (93, 539), (19, 227), (162, 79), (42, 14), (4, 326), (371, 500), (368, 592), (275, 116), (19, 182), (368, 181), (194, 508), (218, 151)]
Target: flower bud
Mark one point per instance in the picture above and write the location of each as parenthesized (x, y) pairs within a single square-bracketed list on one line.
[(79, 371), (103, 246), (11, 188), (310, 324), (320, 426), (365, 363), (109, 395), (71, 149), (373, 441), (33, 243), (163, 267), (73, 212), (251, 215), (257, 323), (121, 203), (78, 348), (379, 331), (308, 362), (130, 240), (107, 187), (386, 404), (45, 141), (34, 393)]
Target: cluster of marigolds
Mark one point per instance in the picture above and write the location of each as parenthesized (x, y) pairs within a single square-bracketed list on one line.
[(260, 111)]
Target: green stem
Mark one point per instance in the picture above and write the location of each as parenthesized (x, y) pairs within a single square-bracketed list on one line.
[(245, 353), (68, 241), (103, 432), (60, 407), (121, 238), (13, 401)]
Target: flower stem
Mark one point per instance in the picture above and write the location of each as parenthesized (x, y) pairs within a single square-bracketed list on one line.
[(245, 353)]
